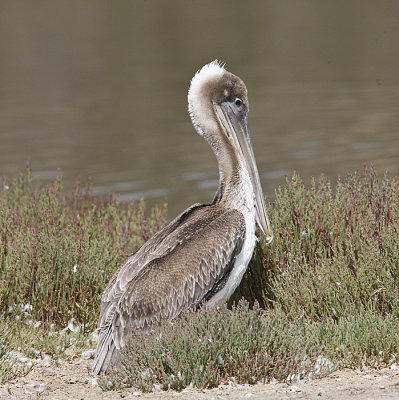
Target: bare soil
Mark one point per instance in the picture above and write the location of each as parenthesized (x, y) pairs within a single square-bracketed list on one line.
[(72, 380)]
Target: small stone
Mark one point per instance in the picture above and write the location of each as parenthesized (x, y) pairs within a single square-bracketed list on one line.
[(38, 388), (46, 360), (72, 326), (94, 336), (156, 388), (88, 354), (93, 382), (50, 372), (35, 352), (109, 385)]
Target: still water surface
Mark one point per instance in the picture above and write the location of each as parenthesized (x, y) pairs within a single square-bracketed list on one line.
[(98, 89)]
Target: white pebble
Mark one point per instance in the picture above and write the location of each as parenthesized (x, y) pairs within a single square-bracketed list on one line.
[(39, 388), (46, 360), (156, 388), (93, 382), (88, 354), (72, 326)]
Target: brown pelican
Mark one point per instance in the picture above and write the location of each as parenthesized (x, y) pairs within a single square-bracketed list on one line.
[(200, 256)]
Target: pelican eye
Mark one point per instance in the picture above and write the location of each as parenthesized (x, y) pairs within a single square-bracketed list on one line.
[(238, 102)]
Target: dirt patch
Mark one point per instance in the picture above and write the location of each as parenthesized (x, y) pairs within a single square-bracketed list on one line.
[(73, 380)]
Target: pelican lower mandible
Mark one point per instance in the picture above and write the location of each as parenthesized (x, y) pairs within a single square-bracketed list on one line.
[(200, 257)]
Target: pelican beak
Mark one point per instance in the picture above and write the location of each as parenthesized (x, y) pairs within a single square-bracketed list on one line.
[(235, 125)]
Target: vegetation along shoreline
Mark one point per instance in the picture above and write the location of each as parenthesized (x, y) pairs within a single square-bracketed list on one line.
[(323, 296)]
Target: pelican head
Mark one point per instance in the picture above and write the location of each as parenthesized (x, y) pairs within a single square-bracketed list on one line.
[(218, 107)]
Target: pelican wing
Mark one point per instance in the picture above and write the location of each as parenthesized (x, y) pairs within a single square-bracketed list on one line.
[(198, 254)]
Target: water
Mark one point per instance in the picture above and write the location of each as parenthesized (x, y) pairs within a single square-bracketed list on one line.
[(98, 90)]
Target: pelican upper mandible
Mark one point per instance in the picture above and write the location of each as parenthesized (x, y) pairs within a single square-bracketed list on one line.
[(199, 257)]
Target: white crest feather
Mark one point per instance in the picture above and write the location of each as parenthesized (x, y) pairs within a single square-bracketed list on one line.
[(206, 73)]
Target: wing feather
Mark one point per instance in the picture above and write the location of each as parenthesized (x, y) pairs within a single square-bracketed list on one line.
[(186, 262)]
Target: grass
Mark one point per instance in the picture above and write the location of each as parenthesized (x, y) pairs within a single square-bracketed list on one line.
[(323, 295), (7, 368), (208, 347), (22, 343), (335, 252), (58, 252), (251, 345)]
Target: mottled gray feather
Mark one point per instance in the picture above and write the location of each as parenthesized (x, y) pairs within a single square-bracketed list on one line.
[(176, 269)]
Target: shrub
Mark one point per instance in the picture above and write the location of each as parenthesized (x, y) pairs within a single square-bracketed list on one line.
[(334, 253), (327, 286), (57, 252), (249, 345), (211, 346)]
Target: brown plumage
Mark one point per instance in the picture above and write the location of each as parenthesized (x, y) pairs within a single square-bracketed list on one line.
[(201, 255)]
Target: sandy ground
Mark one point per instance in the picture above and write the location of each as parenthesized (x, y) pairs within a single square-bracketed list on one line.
[(73, 380)]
